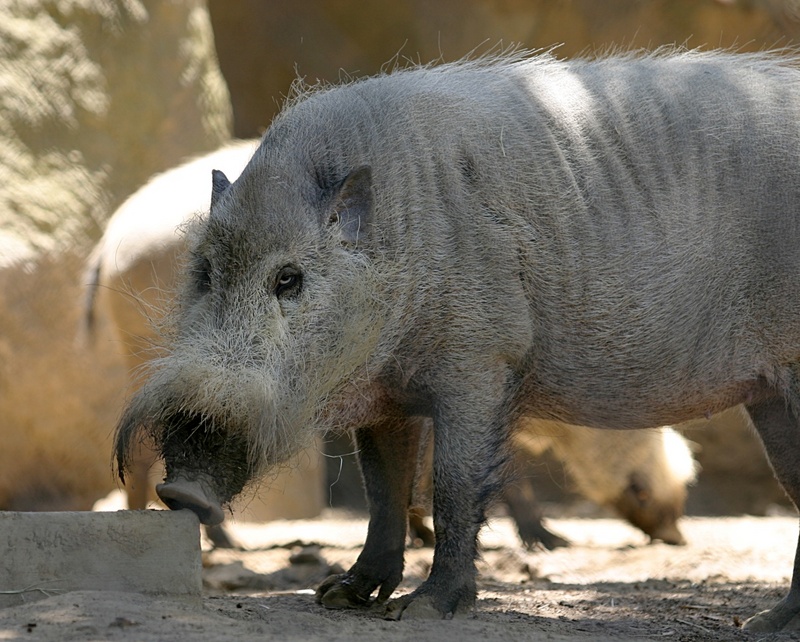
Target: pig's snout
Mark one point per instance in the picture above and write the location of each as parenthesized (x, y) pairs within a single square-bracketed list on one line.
[(194, 495), (656, 516)]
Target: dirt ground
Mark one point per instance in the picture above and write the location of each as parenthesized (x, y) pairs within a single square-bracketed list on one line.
[(610, 585)]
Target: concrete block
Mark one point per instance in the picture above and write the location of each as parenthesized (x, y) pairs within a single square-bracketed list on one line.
[(43, 554)]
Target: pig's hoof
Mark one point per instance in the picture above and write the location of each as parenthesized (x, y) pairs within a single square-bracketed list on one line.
[(772, 621), (537, 535), (408, 607), (420, 606), (784, 616), (338, 592)]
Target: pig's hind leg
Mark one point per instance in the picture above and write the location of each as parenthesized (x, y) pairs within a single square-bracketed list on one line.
[(520, 499), (777, 424), (387, 453)]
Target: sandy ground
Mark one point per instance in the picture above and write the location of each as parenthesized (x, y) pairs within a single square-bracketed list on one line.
[(610, 585)]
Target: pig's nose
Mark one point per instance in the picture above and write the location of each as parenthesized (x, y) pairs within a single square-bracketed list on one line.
[(191, 494)]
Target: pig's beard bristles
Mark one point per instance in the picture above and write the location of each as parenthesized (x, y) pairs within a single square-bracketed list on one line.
[(235, 398), (276, 417)]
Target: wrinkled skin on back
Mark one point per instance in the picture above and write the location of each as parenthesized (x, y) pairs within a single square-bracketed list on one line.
[(609, 243)]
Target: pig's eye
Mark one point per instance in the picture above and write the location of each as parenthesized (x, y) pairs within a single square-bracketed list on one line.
[(289, 282)]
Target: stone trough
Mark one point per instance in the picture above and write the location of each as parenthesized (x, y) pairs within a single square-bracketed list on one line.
[(146, 551)]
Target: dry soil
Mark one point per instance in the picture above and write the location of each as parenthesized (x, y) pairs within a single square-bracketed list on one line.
[(610, 585)]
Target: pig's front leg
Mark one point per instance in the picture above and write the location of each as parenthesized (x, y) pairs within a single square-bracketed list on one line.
[(470, 453), (387, 453)]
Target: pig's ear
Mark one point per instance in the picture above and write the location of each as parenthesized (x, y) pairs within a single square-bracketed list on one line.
[(219, 185), (351, 210)]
